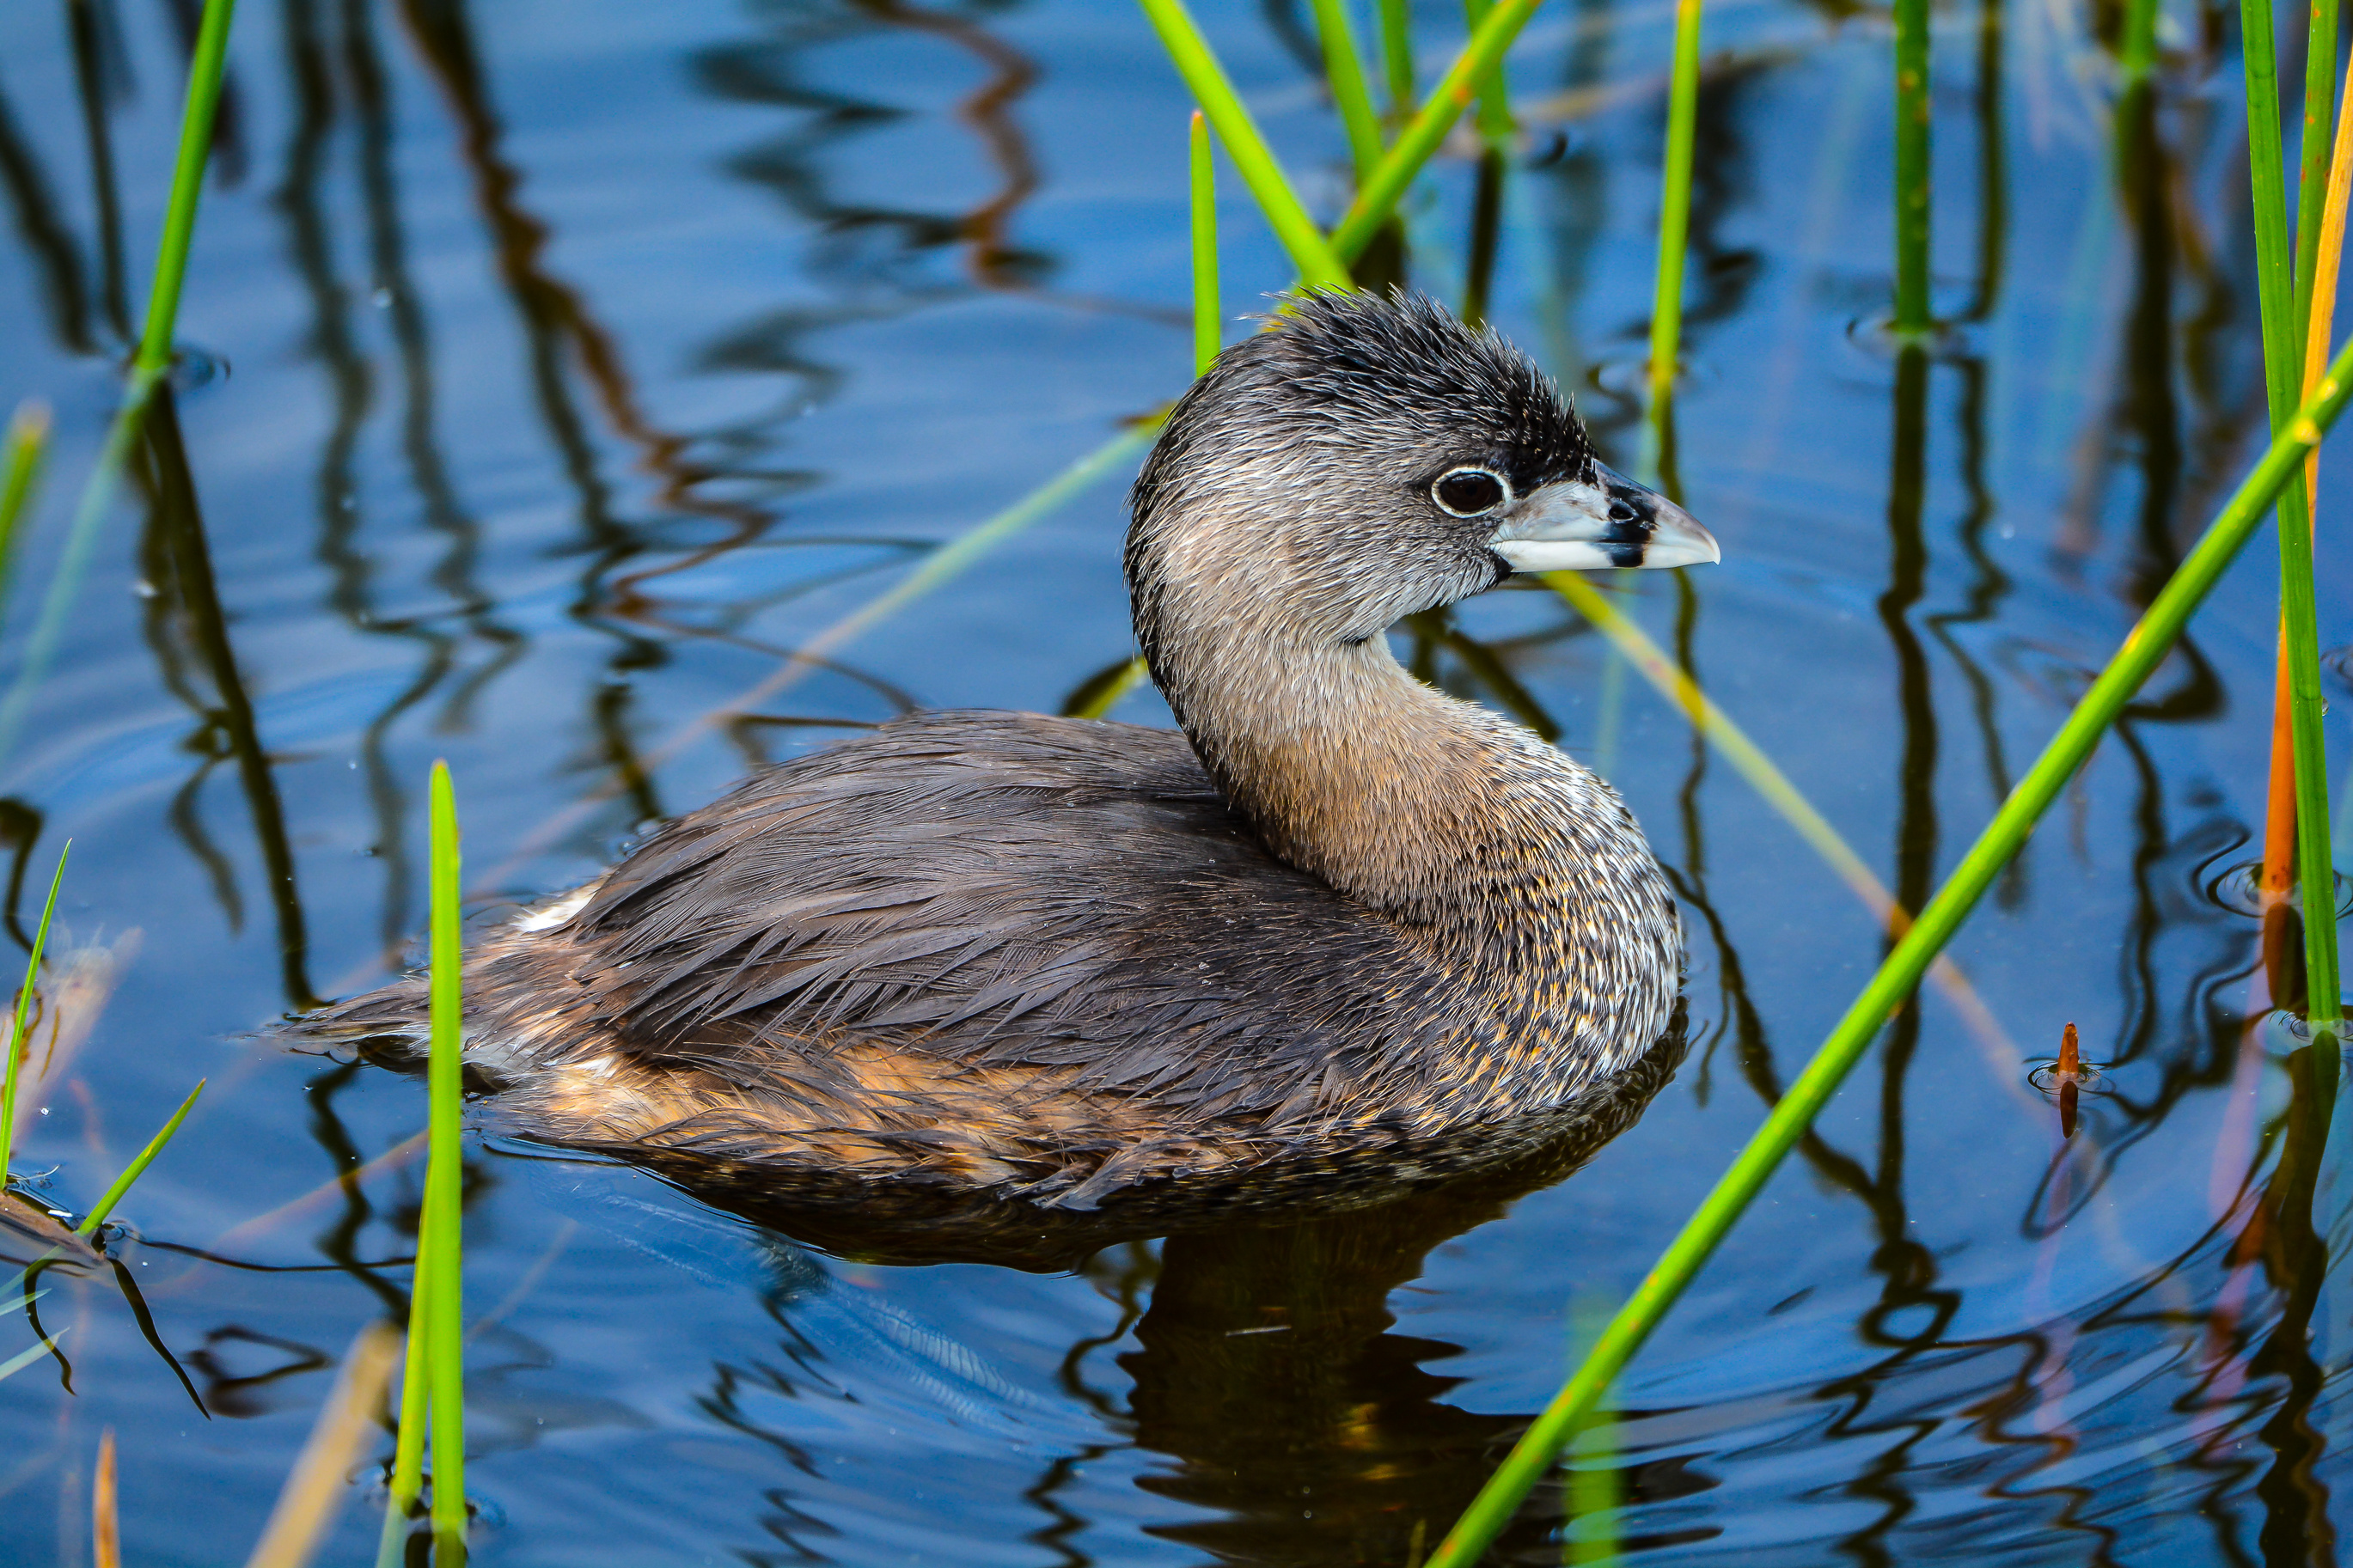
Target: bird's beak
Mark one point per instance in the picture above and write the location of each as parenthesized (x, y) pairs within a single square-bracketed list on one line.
[(1610, 520)]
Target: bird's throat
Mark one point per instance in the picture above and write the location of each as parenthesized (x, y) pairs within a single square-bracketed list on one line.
[(1351, 769)]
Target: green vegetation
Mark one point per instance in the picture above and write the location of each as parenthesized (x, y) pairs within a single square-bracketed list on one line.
[(21, 452), (132, 1172), (1675, 212), (1396, 56), (1214, 91), (1912, 107), (1345, 73), (2285, 296), (1208, 316), (433, 1378), (19, 1039)]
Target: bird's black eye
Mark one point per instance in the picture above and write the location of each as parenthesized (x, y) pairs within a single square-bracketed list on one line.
[(1468, 492)]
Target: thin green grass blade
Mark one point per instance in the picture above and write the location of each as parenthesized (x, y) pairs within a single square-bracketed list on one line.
[(81, 541), (952, 559), (1675, 209), (20, 466), (1346, 72), (1380, 194), (1309, 252), (440, 1235), (1912, 166), (2282, 303), (2312, 155), (16, 1041), (2298, 613), (137, 1168), (2143, 650), (18, 1301), (1208, 323), (1104, 698), (408, 1444), (1396, 56), (204, 69), (26, 1357)]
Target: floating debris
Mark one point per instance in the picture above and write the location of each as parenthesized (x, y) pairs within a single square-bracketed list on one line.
[(2066, 1078)]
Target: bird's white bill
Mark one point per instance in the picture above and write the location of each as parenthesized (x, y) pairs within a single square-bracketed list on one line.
[(1579, 526)]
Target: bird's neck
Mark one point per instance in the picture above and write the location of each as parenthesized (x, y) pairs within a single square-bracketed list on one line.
[(1427, 809)]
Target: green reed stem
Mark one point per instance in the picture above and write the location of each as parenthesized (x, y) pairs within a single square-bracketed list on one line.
[(1396, 55), (1912, 168), (205, 71), (2284, 298), (1208, 339), (2316, 868), (408, 1442), (1495, 117), (440, 1235), (2143, 650), (2312, 154), (1380, 194), (952, 559), (138, 1167), (20, 465), (1674, 208), (1344, 72), (16, 1032), (1208, 316), (2138, 55), (1309, 252)]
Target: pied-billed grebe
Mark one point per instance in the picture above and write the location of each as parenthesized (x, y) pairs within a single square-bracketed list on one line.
[(1052, 959)]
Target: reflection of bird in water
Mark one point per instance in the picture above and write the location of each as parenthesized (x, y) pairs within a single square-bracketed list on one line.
[(1054, 960), (1287, 1415)]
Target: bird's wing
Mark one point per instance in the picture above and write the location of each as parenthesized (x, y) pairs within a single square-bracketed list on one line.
[(997, 889)]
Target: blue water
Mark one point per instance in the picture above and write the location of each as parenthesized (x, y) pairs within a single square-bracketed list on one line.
[(554, 370)]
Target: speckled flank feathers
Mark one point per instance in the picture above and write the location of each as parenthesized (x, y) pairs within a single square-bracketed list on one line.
[(1056, 958)]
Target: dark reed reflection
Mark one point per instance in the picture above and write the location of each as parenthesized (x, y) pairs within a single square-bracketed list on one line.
[(188, 631), (102, 78), (47, 243)]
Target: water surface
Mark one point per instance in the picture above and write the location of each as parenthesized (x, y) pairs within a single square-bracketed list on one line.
[(554, 372)]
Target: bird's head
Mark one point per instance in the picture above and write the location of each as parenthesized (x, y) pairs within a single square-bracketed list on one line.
[(1367, 456)]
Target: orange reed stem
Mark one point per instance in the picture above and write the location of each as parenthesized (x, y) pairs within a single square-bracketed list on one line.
[(2279, 816)]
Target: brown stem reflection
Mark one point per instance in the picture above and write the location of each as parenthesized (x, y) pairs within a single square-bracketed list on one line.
[(995, 263)]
